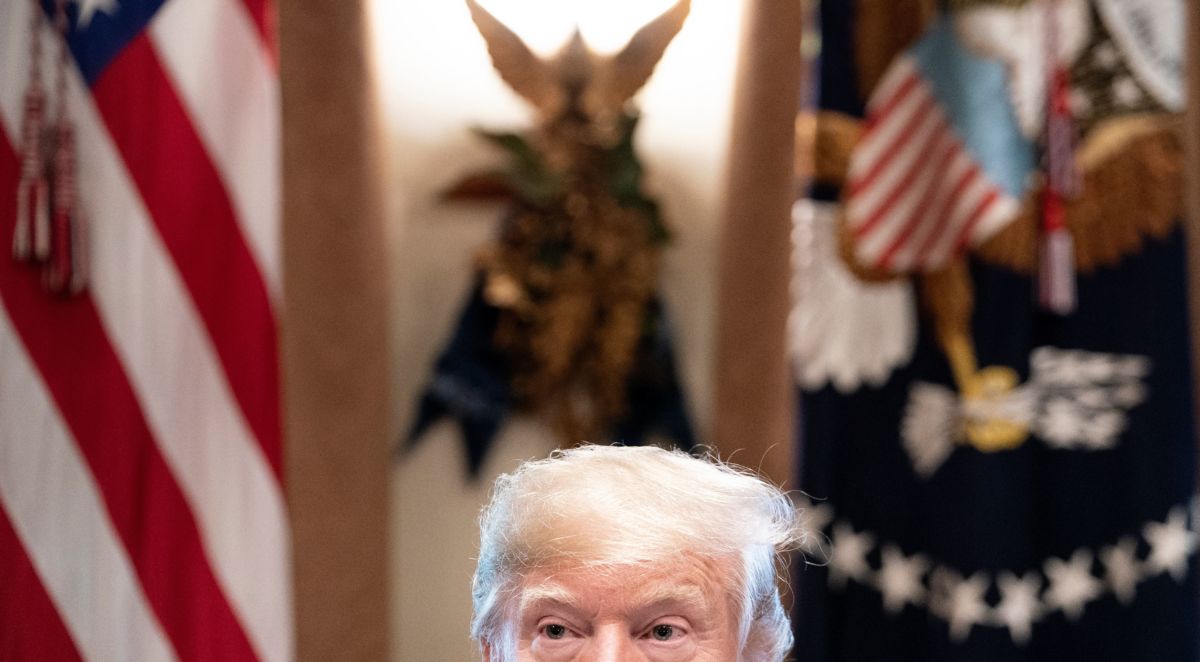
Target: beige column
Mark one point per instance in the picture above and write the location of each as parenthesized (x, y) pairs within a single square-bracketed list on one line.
[(334, 333), (753, 393)]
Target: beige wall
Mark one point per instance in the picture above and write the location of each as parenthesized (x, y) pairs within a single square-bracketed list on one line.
[(437, 82)]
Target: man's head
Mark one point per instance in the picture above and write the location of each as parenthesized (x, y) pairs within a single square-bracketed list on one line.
[(605, 552)]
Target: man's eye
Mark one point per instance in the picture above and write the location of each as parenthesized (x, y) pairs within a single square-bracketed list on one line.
[(662, 632), (555, 631)]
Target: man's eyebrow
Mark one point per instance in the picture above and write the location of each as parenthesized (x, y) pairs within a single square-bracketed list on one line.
[(535, 595), (675, 592), (679, 594), (653, 598)]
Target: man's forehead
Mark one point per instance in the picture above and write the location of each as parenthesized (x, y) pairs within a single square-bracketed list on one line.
[(626, 587), (571, 593)]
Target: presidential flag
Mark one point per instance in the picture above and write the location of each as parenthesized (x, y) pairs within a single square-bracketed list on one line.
[(940, 164), (142, 514), (990, 477)]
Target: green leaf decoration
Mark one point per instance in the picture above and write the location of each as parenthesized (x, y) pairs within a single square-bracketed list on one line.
[(535, 185), (528, 174)]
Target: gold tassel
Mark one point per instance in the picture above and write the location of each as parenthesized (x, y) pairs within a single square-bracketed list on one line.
[(33, 209)]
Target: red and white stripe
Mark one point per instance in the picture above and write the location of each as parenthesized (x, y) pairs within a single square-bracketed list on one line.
[(916, 198), (141, 506)]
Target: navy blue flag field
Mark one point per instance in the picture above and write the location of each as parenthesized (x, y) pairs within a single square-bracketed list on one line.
[(990, 336)]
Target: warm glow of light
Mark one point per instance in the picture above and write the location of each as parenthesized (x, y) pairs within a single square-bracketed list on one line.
[(436, 80), (545, 25), (608, 24), (434, 70)]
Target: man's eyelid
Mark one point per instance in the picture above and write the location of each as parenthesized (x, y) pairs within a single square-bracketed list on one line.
[(680, 626), (682, 614), (557, 619)]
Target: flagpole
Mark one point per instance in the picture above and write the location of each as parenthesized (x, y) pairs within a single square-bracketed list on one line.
[(753, 393)]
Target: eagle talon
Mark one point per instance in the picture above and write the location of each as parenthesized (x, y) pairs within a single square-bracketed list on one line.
[(987, 401)]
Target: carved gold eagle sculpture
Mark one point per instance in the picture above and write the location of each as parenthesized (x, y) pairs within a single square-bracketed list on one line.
[(574, 269)]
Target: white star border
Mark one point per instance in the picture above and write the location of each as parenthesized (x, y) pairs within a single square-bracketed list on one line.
[(1061, 585)]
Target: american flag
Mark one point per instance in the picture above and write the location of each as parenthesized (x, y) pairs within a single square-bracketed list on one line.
[(142, 514), (941, 166)]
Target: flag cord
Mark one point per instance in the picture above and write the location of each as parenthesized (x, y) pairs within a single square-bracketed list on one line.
[(63, 275), (32, 220), (1056, 275)]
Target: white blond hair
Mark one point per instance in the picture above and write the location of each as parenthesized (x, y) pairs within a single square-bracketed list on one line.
[(611, 506)]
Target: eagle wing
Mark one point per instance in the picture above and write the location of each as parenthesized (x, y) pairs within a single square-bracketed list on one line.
[(620, 77), (527, 74), (1132, 171), (884, 29)]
